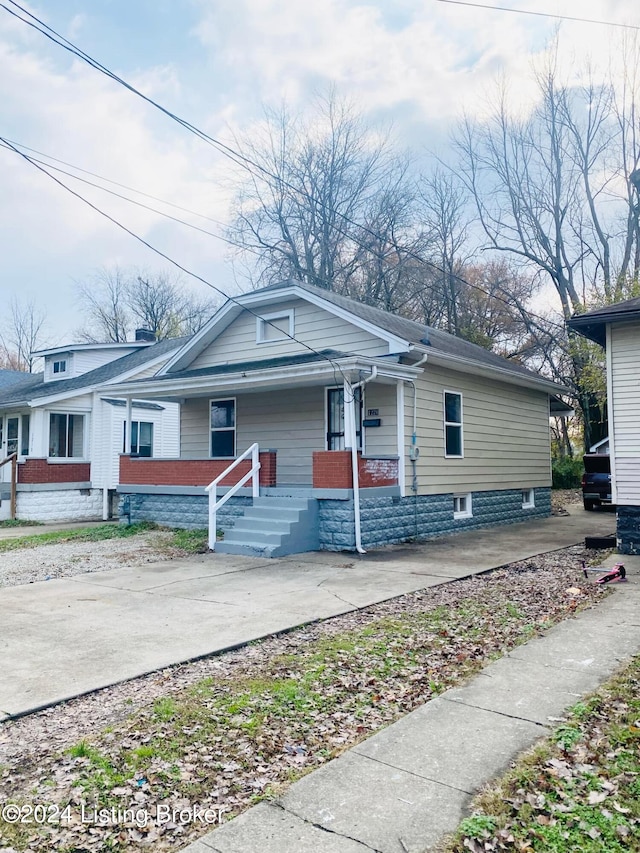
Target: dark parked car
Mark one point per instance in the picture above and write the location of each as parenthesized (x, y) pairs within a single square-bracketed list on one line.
[(596, 480)]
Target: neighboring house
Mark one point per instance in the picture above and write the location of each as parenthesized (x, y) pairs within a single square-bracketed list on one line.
[(602, 447), (449, 436), (617, 328), (68, 437)]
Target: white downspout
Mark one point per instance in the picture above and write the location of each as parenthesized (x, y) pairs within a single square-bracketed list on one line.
[(414, 432), (350, 422)]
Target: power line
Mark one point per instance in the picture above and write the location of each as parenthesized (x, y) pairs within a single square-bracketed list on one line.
[(236, 156), (115, 183), (133, 201), (540, 14), (336, 367)]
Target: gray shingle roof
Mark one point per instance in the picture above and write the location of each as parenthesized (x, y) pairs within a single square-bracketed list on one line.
[(36, 388), (592, 324), (415, 333), (9, 378)]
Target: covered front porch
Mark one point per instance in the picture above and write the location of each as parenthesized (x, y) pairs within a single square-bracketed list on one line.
[(327, 428)]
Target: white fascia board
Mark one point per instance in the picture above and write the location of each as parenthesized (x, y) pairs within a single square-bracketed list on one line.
[(84, 347), (254, 300), (490, 372), (89, 389), (292, 375)]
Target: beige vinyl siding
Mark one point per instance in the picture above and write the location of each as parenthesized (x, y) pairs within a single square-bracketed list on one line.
[(382, 440), (505, 435), (292, 423), (312, 326), (625, 383)]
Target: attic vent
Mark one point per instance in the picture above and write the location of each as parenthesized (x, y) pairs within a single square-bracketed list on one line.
[(145, 335)]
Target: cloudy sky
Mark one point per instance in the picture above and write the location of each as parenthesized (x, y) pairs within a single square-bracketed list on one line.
[(417, 63)]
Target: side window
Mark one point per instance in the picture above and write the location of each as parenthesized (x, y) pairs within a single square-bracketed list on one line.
[(223, 428), (141, 438), (453, 445)]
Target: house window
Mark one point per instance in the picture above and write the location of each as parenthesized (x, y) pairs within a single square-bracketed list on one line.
[(141, 438), (66, 436), (453, 424), (335, 418), (223, 428), (462, 506), (12, 435), (24, 435), (60, 366), (274, 327), (528, 498)]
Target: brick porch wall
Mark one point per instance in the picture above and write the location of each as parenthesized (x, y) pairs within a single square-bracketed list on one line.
[(332, 470), (192, 472), (34, 470)]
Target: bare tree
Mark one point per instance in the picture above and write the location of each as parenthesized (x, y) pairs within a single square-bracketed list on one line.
[(117, 301), (543, 187), (328, 202), (22, 335)]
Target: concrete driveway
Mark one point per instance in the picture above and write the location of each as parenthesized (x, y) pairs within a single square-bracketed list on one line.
[(62, 638)]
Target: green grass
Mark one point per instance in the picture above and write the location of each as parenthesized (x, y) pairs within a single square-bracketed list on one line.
[(190, 541), (577, 790), (78, 534), (17, 522)]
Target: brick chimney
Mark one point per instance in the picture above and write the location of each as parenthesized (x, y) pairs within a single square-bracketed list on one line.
[(145, 335)]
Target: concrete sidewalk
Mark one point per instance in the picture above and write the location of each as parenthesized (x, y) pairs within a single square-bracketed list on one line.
[(403, 789), (62, 638)]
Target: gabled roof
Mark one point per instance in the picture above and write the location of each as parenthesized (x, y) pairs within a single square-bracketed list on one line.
[(593, 324), (34, 388), (402, 335)]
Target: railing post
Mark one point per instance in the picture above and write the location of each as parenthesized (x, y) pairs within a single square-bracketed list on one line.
[(212, 517), (255, 465), (14, 487)]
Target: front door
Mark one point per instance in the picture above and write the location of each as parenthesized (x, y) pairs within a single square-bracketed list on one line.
[(335, 418)]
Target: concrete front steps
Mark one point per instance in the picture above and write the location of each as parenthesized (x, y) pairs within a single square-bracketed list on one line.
[(274, 526)]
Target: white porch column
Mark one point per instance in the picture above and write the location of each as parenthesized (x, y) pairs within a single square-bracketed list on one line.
[(127, 443), (351, 441), (401, 435)]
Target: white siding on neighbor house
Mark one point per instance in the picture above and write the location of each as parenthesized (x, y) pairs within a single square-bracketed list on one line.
[(625, 411), (506, 439), (108, 437), (313, 326), (86, 360), (291, 422)]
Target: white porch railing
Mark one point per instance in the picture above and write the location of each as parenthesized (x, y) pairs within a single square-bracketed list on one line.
[(212, 488)]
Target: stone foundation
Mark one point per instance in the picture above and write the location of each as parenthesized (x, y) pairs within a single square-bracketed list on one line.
[(628, 529), (386, 519), (60, 504), (174, 510)]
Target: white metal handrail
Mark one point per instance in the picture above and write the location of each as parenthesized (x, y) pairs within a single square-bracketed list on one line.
[(212, 488)]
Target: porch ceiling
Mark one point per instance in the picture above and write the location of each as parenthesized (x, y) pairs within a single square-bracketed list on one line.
[(324, 368)]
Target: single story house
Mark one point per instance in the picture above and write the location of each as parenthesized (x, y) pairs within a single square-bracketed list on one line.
[(617, 329), (68, 437), (369, 428)]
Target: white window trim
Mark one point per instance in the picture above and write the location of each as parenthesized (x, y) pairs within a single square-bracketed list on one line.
[(264, 319), (446, 423), (224, 429), (64, 460), (528, 499), (62, 366), (124, 435), (467, 512)]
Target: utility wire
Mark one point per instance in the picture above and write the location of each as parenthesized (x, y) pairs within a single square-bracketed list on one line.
[(239, 158), (115, 183), (540, 14), (335, 365)]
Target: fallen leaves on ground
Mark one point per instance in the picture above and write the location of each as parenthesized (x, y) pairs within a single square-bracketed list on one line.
[(229, 730), (579, 790)]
